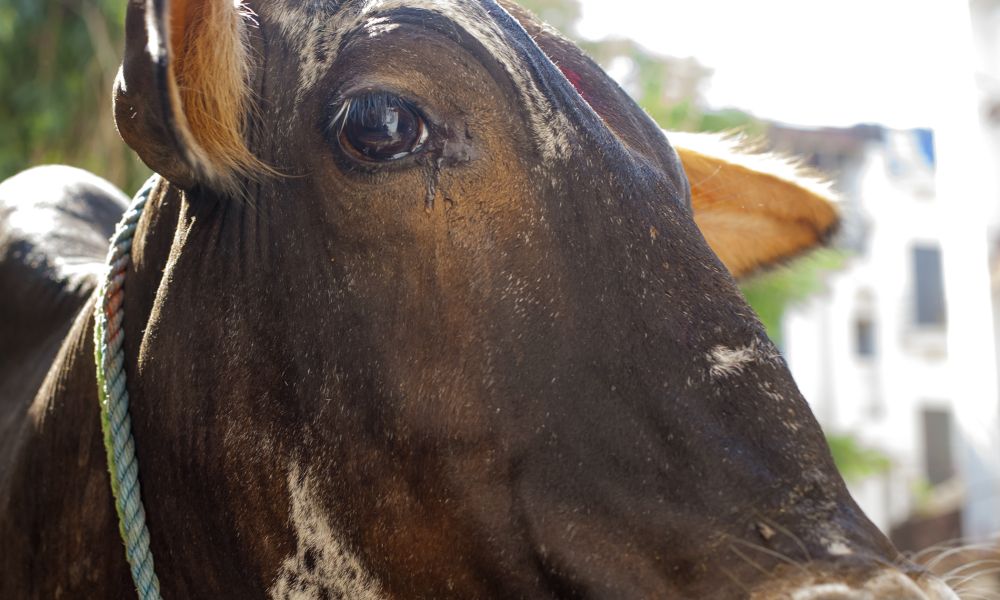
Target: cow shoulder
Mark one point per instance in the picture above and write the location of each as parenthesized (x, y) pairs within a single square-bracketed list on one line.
[(55, 222), (754, 209)]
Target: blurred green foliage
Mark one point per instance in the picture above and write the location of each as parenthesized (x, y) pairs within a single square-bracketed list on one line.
[(855, 461), (59, 62), (561, 14)]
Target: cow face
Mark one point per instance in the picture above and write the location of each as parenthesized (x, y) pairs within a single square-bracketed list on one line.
[(421, 314)]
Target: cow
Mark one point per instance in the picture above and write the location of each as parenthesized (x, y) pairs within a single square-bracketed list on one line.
[(421, 305)]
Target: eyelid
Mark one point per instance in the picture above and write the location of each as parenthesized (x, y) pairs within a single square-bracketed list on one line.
[(365, 86)]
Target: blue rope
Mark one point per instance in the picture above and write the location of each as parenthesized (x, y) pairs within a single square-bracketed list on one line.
[(116, 423)]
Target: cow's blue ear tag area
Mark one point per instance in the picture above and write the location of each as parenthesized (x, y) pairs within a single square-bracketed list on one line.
[(116, 423)]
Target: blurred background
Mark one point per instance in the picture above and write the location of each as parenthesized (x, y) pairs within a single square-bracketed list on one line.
[(892, 333)]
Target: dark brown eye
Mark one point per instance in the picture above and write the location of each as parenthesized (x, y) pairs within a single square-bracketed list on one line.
[(380, 127)]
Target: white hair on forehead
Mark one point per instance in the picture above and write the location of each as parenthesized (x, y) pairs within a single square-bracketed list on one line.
[(309, 26)]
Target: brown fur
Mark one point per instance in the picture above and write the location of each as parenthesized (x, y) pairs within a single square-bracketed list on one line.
[(209, 67), (753, 209)]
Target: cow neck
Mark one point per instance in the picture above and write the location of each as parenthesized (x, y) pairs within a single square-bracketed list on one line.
[(116, 422)]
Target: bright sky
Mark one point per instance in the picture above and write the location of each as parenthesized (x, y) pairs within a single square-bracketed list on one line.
[(798, 61)]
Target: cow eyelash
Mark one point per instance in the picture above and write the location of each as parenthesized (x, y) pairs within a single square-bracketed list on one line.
[(368, 107)]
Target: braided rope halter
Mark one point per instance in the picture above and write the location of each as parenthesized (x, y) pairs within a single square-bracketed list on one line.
[(116, 423)]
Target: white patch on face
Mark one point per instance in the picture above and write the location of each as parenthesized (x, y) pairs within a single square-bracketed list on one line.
[(323, 566), (839, 549), (309, 27), (728, 362), (834, 541)]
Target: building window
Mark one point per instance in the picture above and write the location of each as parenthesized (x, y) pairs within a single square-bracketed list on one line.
[(938, 462), (864, 337), (928, 286), (925, 143)]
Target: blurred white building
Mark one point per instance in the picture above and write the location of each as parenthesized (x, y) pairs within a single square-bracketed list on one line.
[(900, 349), (870, 351)]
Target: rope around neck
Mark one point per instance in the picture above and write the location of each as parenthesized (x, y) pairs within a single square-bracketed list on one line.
[(115, 420)]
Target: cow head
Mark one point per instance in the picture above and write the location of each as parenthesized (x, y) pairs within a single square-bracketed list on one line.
[(427, 310)]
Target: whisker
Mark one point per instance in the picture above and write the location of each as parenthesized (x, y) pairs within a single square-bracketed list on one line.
[(798, 541), (949, 545), (884, 562), (772, 553), (957, 550), (970, 578), (749, 561), (976, 595), (970, 589), (735, 580), (972, 596), (974, 564)]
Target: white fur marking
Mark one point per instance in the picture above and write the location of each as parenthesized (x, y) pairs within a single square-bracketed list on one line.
[(728, 362), (839, 549), (322, 562)]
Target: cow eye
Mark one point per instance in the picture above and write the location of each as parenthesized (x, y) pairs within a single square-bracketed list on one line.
[(380, 127)]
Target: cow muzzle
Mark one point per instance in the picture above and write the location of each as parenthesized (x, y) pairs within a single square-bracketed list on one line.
[(888, 584)]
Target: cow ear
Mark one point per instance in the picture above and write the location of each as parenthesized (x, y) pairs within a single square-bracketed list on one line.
[(182, 96), (755, 210)]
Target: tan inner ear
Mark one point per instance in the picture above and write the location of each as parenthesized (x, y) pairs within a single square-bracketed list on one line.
[(208, 82), (754, 210)]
